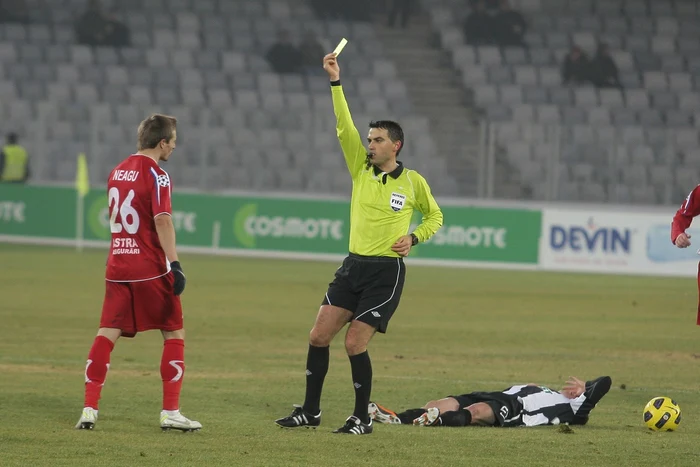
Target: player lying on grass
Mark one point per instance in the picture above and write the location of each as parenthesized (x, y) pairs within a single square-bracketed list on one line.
[(521, 405)]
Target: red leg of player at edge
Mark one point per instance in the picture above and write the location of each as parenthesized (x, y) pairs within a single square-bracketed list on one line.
[(96, 370), (698, 320), (172, 369)]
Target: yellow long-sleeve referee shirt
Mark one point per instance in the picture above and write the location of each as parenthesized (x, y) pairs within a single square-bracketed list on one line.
[(382, 204)]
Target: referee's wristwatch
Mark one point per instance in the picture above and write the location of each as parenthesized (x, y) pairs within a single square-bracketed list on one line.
[(414, 240)]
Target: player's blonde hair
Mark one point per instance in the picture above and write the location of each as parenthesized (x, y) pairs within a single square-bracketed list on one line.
[(154, 129)]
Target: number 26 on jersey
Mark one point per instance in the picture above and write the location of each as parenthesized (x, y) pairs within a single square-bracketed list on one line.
[(128, 217)]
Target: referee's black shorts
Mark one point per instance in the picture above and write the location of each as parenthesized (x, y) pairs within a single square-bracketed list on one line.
[(369, 286), (507, 408)]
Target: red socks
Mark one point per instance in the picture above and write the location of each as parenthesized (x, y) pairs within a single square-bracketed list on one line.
[(172, 369), (96, 370)]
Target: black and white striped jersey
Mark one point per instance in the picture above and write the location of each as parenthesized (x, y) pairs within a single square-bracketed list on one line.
[(544, 406)]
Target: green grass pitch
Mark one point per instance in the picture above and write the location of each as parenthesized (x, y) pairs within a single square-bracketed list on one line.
[(457, 330)]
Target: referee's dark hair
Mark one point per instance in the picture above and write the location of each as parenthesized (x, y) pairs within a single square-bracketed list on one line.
[(393, 129)]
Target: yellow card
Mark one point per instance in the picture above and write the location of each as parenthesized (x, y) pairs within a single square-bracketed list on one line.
[(340, 47)]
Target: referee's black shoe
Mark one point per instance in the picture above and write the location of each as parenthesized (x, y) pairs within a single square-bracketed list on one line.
[(299, 417), (354, 426)]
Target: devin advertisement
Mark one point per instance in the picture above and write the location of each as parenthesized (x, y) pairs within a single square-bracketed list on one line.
[(615, 242)]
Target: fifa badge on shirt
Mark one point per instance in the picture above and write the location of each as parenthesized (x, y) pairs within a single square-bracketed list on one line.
[(397, 201)]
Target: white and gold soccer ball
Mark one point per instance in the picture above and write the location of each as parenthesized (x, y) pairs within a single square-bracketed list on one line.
[(662, 414)]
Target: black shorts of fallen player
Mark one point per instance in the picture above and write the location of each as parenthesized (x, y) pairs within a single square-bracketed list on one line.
[(507, 408)]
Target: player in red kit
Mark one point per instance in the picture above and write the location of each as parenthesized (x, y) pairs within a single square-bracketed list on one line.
[(144, 278), (681, 221)]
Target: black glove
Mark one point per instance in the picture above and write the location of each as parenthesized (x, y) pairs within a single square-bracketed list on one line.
[(180, 280)]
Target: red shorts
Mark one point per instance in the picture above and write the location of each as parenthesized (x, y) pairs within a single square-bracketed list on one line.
[(139, 306)]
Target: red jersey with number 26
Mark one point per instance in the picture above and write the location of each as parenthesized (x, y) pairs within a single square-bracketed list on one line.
[(138, 190)]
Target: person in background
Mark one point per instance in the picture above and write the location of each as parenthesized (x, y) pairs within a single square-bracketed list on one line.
[(90, 27), (576, 67), (116, 32), (400, 10), (284, 56), (509, 26), (478, 27), (14, 161), (310, 49), (13, 11), (604, 72)]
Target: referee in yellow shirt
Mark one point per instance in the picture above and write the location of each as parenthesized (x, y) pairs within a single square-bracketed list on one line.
[(367, 287)]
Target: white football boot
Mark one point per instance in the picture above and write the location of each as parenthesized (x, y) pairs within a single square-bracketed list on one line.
[(382, 415), (429, 418), (174, 420), (87, 419)]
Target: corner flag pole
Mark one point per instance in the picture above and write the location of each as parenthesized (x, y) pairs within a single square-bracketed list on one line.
[(82, 187)]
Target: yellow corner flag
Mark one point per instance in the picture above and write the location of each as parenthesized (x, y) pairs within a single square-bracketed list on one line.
[(82, 180)]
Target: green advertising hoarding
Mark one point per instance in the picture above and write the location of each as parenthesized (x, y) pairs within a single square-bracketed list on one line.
[(37, 211), (484, 234), (288, 225)]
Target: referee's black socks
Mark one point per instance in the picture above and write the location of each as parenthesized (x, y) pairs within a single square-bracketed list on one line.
[(316, 369), (362, 381)]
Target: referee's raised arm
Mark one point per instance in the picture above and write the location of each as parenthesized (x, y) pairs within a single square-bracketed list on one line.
[(350, 140)]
